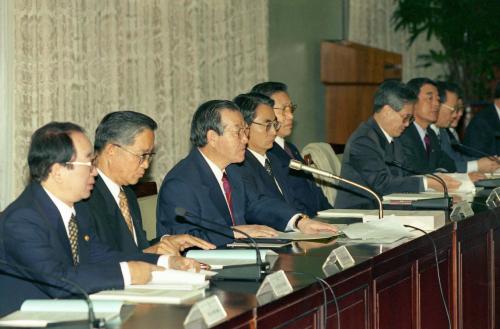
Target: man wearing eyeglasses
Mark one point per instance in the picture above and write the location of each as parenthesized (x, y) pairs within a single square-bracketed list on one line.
[(448, 95), (374, 146), (124, 146), (302, 184), (209, 186), (421, 145), (45, 231)]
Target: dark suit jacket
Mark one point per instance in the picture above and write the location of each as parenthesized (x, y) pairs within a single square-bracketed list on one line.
[(365, 162), (32, 234), (416, 156), (302, 185), (192, 185), (459, 158), (107, 220), (265, 183), (483, 132)]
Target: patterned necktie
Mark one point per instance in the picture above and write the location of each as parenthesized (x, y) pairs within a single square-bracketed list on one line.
[(427, 142), (73, 239), (288, 150), (227, 192), (267, 166), (126, 211)]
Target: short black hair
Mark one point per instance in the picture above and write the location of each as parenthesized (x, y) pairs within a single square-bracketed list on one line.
[(497, 90), (393, 93), (121, 127), (51, 144), (207, 117), (269, 88), (248, 104), (417, 83), (444, 86)]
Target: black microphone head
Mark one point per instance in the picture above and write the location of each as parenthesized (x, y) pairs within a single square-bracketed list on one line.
[(180, 211)]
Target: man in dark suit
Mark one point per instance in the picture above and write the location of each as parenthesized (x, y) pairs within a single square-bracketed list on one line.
[(44, 231), (475, 166), (372, 148), (124, 144), (421, 145), (208, 186), (483, 132), (301, 183), (266, 169)]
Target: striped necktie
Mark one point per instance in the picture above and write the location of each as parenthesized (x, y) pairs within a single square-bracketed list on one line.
[(227, 192), (73, 238), (126, 211)]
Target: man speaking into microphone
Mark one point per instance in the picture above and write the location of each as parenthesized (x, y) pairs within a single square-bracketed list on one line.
[(374, 145), (207, 185)]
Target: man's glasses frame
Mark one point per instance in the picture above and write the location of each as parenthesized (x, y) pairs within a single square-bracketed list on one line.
[(290, 108), (142, 157), (271, 124)]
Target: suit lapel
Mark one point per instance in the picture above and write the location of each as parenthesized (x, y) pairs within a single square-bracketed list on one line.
[(50, 213), (212, 188)]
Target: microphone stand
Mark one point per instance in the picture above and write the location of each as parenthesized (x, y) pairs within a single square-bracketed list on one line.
[(92, 320), (456, 145), (435, 203), (297, 165), (251, 272)]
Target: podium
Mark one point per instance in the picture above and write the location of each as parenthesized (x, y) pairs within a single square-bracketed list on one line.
[(351, 73)]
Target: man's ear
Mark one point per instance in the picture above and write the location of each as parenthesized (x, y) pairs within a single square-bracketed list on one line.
[(56, 172), (109, 150), (212, 137)]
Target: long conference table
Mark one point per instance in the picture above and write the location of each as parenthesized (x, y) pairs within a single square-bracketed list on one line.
[(390, 286)]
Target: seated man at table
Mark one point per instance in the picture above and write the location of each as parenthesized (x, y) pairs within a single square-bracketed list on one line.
[(302, 184), (422, 150), (448, 96), (124, 144), (209, 188), (264, 167), (483, 132), (43, 231), (373, 152)]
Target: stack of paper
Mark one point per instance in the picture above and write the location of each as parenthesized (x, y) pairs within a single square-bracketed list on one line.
[(386, 230), (166, 287), (43, 312), (219, 258)]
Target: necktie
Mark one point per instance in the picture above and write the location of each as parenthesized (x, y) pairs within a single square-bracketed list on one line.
[(126, 211), (227, 192), (267, 166), (427, 142), (288, 150), (73, 238)]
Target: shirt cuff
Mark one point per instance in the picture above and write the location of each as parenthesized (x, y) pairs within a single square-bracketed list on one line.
[(424, 180), (291, 223), (127, 279), (472, 166), (163, 261)]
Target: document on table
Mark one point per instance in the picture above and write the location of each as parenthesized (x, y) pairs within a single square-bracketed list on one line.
[(219, 258), (384, 231), (299, 236), (41, 313), (148, 295)]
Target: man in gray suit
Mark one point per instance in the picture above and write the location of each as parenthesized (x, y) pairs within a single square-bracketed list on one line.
[(448, 96), (373, 149)]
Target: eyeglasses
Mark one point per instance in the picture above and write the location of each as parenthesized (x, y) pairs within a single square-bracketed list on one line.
[(142, 157), (290, 108), (409, 118), (242, 132), (451, 108), (90, 164), (271, 124)]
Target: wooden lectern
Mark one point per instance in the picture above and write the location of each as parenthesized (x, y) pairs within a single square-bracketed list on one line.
[(351, 73)]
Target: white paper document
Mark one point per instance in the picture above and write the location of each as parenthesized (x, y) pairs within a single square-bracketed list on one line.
[(41, 313), (148, 295), (219, 258), (299, 236), (386, 230)]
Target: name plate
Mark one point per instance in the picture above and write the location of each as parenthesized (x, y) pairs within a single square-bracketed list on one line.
[(340, 255), (461, 210), (205, 314), (274, 286)]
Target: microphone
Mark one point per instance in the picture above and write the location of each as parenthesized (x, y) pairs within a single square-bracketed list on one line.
[(250, 272), (435, 203), (92, 320), (297, 165), (458, 146)]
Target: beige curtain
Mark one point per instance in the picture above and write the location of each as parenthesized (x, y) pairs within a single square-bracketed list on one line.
[(76, 60), (370, 24)]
